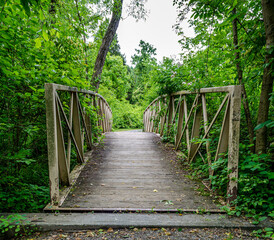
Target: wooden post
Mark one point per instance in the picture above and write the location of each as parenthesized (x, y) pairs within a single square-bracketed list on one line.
[(186, 126), (102, 106), (100, 116), (163, 119), (223, 139), (152, 118), (52, 143), (95, 105), (149, 119), (186, 122), (195, 130), (170, 114), (233, 143), (158, 110), (77, 127), (180, 121), (205, 128), (88, 126), (62, 160), (70, 124)]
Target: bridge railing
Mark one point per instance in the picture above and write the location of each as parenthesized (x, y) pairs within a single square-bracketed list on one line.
[(78, 126), (163, 115)]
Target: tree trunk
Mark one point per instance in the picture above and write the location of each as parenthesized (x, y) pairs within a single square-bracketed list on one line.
[(240, 78), (267, 84), (107, 40)]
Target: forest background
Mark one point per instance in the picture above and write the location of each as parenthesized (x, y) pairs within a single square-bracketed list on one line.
[(58, 41)]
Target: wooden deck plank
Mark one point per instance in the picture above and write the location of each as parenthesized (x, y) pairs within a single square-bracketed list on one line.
[(133, 170)]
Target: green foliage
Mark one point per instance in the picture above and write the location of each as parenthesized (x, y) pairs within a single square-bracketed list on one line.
[(169, 77), (127, 115), (124, 114), (255, 183), (11, 222), (267, 233), (17, 196)]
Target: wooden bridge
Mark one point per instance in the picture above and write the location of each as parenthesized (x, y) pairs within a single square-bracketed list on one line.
[(135, 171)]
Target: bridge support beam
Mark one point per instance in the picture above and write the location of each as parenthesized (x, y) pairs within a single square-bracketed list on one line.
[(233, 143), (52, 143)]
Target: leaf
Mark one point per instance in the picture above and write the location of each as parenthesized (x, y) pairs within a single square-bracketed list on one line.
[(270, 175), (230, 19), (37, 42), (45, 34), (271, 214), (32, 88), (2, 3), (25, 4), (262, 218), (41, 15), (5, 35), (234, 3), (167, 202), (261, 125)]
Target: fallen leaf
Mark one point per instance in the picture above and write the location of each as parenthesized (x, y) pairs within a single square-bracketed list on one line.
[(167, 202), (103, 184), (135, 229), (110, 230), (63, 236), (89, 234)]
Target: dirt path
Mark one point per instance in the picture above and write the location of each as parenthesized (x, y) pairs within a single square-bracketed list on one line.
[(135, 170)]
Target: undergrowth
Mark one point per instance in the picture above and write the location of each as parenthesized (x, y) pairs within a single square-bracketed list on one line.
[(255, 183)]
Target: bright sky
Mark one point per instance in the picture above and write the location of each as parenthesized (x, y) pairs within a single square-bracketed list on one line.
[(157, 30)]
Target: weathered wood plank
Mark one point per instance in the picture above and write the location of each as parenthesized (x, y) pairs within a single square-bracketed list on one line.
[(129, 176)]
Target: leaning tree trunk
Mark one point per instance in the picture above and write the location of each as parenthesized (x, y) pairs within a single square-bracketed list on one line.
[(240, 78), (267, 84), (107, 40)]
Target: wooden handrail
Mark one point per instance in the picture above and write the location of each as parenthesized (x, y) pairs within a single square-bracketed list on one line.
[(79, 128), (230, 131)]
